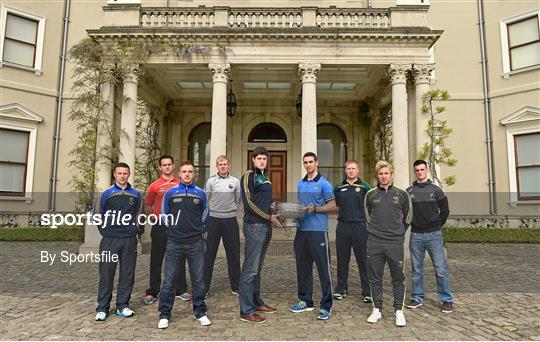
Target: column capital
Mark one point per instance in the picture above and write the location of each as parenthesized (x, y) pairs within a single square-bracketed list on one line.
[(421, 72), (308, 71), (131, 73), (398, 72), (220, 71)]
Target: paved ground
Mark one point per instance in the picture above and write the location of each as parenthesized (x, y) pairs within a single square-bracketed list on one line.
[(497, 297)]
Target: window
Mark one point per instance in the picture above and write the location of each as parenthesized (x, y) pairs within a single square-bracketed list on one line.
[(22, 39), (199, 152), (13, 161), (520, 40), (267, 132), (331, 151), (527, 156), (523, 146)]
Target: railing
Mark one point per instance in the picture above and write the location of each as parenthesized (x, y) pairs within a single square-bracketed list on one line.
[(178, 17), (352, 18), (238, 18), (250, 17)]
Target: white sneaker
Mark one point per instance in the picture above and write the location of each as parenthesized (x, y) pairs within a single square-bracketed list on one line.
[(101, 316), (204, 320), (125, 312), (400, 318), (163, 323), (375, 316)]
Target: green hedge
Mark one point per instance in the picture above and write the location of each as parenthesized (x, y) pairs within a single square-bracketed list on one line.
[(492, 235), (42, 234)]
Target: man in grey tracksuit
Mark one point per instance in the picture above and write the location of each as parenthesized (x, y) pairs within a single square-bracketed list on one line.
[(224, 197), (389, 214)]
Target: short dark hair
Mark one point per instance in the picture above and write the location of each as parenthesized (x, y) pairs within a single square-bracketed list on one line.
[(122, 164), (166, 156), (259, 150), (187, 162), (310, 154), (420, 162)]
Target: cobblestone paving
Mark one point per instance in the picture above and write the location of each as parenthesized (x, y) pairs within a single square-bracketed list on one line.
[(497, 291)]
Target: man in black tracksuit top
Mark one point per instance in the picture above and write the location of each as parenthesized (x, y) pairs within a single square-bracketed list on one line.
[(120, 200), (430, 213), (351, 230), (185, 207), (389, 213)]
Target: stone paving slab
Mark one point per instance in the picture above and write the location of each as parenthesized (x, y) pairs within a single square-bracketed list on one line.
[(497, 291)]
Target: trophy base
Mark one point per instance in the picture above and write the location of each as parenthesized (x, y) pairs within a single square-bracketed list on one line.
[(290, 223)]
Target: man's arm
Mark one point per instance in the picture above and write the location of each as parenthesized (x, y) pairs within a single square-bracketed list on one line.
[(367, 204), (407, 209), (248, 189), (150, 199), (444, 209)]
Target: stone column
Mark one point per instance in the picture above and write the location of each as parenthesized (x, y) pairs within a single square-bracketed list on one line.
[(400, 141), (128, 123), (104, 138), (421, 73), (218, 142), (308, 74)]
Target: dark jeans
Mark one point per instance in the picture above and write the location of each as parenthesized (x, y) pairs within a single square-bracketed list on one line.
[(378, 254), (351, 235), (157, 252), (433, 243), (226, 228), (312, 247), (195, 257), (257, 238), (126, 249)]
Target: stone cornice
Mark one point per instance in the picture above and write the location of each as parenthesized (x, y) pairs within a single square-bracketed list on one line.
[(391, 35)]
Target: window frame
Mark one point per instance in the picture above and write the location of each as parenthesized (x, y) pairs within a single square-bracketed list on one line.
[(517, 167), (524, 121), (40, 35), (505, 42), (333, 168), (23, 190)]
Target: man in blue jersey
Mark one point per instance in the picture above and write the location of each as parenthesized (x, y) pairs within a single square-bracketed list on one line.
[(311, 240), (120, 239), (184, 211)]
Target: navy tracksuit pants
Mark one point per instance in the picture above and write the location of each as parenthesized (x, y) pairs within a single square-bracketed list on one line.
[(352, 235), (309, 247)]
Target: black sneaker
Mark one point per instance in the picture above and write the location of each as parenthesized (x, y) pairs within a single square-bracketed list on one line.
[(446, 307), (368, 299), (414, 304)]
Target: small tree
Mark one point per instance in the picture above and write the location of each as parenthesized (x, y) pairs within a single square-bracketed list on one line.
[(146, 165), (435, 151)]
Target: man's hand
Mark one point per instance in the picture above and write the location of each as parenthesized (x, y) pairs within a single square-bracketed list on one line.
[(274, 219), (310, 208)]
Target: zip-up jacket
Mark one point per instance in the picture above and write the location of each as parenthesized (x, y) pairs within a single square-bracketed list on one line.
[(116, 203), (223, 195), (388, 213), (256, 191), (430, 207), (350, 200), (187, 210)]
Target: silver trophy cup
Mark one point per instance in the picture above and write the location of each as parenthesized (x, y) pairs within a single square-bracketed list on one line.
[(290, 213)]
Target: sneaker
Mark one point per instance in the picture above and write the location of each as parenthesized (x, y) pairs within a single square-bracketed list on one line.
[(414, 304), (234, 293), (186, 296), (400, 318), (300, 307), (375, 316), (204, 320), (163, 323), (149, 299), (125, 312), (101, 316), (255, 318), (206, 295), (324, 314), (368, 299), (340, 295), (446, 307)]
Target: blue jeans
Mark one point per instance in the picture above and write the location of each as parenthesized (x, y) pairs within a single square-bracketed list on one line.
[(257, 238), (195, 257), (434, 244)]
